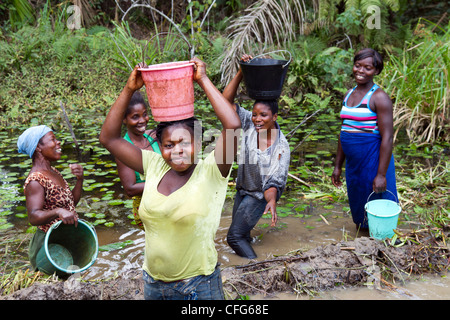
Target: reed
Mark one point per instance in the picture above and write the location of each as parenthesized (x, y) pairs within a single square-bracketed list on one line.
[(158, 48), (418, 79)]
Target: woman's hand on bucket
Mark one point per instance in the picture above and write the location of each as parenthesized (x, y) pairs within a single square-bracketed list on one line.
[(199, 69), (379, 184), (135, 81), (68, 217), (246, 57)]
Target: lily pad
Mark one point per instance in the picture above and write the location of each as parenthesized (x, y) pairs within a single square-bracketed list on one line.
[(115, 246), (115, 202)]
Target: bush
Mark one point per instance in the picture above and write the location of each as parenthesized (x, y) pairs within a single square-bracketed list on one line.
[(417, 78), (43, 65)]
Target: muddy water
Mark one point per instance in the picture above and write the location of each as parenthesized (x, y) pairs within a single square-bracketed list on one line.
[(426, 288), (291, 234), (316, 227)]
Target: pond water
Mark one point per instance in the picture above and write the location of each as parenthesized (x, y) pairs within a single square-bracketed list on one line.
[(290, 235), (308, 215)]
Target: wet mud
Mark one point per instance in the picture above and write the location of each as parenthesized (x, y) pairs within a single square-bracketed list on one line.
[(299, 258)]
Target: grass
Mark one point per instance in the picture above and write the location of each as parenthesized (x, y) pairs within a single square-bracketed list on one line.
[(418, 78), (14, 269), (11, 282)]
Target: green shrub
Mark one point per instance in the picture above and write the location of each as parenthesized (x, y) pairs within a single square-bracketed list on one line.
[(417, 78), (41, 67)]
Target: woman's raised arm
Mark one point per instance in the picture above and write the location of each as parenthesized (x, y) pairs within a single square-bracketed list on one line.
[(226, 146), (110, 135), (230, 90)]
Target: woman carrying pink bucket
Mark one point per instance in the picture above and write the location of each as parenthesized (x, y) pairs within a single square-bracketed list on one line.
[(183, 195)]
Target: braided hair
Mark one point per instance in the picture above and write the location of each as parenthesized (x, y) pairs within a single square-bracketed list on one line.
[(272, 104)]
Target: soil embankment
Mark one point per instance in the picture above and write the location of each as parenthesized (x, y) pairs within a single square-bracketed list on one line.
[(350, 263)]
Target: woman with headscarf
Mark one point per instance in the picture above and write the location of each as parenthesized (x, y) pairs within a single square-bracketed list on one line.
[(48, 196)]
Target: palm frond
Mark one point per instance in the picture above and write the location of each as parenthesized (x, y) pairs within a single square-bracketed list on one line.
[(328, 9), (265, 24)]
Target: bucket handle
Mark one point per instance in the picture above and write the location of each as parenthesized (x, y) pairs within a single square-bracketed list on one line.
[(383, 192), (144, 49), (262, 54), (58, 223)]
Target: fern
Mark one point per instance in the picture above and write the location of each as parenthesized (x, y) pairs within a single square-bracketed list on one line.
[(328, 9), (366, 35), (20, 12)]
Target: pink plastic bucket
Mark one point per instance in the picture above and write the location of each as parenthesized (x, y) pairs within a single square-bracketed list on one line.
[(170, 90)]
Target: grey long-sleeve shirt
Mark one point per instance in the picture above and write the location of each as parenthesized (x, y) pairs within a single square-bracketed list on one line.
[(259, 170)]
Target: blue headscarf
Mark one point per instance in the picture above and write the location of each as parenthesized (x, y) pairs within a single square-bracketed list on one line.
[(29, 139)]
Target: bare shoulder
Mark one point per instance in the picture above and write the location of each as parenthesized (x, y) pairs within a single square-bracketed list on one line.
[(381, 94), (381, 99), (151, 133)]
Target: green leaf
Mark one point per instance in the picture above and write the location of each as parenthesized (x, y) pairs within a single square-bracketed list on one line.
[(115, 246)]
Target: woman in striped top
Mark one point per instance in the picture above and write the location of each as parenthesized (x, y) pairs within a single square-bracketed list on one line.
[(366, 139)]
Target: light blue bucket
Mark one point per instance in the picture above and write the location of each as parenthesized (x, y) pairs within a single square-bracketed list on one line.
[(382, 216)]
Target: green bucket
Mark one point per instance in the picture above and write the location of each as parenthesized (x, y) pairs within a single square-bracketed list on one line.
[(68, 249), (382, 217)]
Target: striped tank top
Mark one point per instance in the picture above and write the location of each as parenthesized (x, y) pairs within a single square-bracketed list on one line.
[(359, 118)]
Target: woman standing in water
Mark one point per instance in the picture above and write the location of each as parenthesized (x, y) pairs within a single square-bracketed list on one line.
[(263, 168), (366, 138), (183, 195), (48, 196), (135, 120)]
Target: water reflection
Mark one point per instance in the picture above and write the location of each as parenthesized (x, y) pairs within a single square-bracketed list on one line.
[(306, 223), (111, 263)]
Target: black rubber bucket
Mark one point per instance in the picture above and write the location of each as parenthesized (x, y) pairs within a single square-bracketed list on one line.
[(264, 78)]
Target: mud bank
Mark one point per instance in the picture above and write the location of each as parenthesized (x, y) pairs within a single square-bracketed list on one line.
[(346, 263), (127, 286)]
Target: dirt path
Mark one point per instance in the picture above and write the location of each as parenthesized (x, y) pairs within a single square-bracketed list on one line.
[(350, 263)]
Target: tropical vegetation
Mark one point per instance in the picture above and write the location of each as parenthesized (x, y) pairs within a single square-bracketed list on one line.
[(79, 54)]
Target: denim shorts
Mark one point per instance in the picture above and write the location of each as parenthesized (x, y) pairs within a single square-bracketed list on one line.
[(195, 288)]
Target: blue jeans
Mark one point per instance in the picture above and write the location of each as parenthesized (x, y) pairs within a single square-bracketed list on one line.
[(195, 288), (246, 213)]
